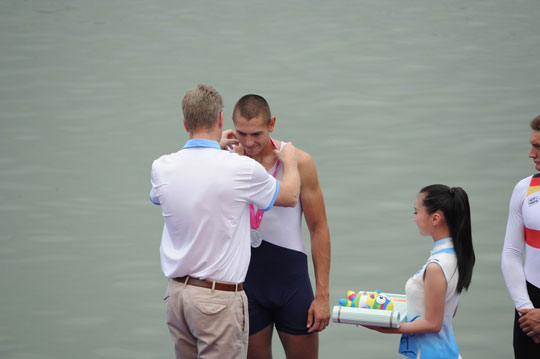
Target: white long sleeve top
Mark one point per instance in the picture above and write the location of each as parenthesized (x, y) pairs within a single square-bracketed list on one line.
[(523, 237)]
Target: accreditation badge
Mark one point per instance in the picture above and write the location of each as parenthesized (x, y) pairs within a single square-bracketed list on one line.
[(256, 237)]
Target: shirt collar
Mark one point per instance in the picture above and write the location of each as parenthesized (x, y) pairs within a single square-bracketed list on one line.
[(442, 243), (202, 143)]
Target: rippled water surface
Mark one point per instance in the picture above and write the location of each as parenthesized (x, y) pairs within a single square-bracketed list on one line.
[(387, 96)]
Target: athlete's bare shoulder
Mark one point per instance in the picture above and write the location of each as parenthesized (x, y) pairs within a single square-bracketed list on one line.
[(304, 158), (305, 161)]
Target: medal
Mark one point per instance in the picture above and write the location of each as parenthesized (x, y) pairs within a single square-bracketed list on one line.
[(256, 238)]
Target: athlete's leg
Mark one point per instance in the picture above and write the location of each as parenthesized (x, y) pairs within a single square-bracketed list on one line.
[(260, 344), (300, 346), (524, 346)]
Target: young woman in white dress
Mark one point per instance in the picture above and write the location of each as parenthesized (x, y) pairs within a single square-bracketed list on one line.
[(433, 292)]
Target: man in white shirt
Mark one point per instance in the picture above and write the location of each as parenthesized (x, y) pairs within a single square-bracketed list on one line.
[(204, 194), (523, 236)]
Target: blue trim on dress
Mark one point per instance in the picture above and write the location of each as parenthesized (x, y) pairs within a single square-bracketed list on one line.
[(156, 203), (441, 241), (273, 198), (445, 250), (202, 143)]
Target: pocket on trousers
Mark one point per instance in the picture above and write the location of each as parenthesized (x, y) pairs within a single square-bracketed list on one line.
[(245, 315), (209, 308)]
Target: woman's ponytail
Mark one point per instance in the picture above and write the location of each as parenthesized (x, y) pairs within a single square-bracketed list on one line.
[(461, 233), (453, 202)]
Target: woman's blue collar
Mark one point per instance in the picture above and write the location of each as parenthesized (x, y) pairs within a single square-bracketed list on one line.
[(441, 241)]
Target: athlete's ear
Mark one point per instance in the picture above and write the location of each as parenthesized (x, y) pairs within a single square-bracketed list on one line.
[(185, 125), (272, 124)]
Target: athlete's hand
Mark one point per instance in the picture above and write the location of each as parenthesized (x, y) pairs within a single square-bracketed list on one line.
[(530, 323), (318, 314), (228, 139)]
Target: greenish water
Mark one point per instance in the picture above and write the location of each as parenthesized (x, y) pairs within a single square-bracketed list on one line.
[(387, 96)]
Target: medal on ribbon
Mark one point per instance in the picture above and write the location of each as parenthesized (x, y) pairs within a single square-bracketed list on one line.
[(256, 237)]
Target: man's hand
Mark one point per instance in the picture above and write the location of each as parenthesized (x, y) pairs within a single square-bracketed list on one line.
[(318, 314), (289, 184), (228, 139), (530, 323), (287, 155)]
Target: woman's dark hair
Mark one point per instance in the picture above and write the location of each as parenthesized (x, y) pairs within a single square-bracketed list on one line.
[(454, 204)]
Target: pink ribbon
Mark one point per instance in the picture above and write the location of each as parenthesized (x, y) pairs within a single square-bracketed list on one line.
[(256, 218)]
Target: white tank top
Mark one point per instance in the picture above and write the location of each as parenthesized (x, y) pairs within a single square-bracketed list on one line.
[(282, 226)]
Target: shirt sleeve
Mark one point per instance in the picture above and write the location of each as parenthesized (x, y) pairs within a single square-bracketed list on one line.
[(514, 244), (264, 188), (154, 195)]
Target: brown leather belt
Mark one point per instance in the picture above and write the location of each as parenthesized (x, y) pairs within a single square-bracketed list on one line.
[(230, 287)]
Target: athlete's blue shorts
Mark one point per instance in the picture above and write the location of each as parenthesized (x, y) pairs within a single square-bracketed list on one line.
[(278, 289)]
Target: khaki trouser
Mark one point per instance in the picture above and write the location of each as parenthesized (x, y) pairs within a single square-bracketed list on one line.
[(206, 323)]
